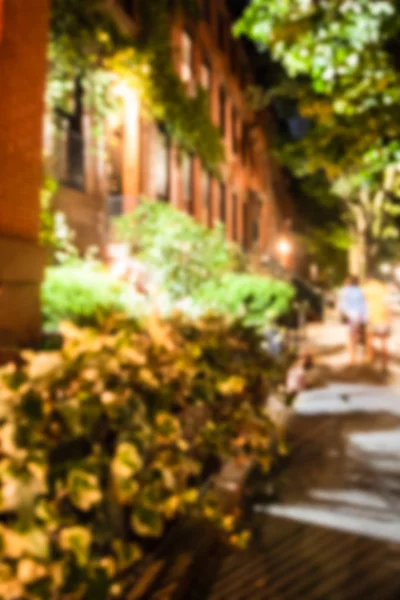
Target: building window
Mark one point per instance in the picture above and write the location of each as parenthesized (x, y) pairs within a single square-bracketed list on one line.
[(222, 109), (222, 203), (114, 167), (255, 232), (205, 75), (161, 164), (206, 195), (187, 56), (187, 179), (70, 151), (252, 221), (235, 143), (221, 31), (235, 206)]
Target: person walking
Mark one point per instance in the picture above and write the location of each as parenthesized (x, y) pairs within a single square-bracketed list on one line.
[(377, 297), (353, 308)]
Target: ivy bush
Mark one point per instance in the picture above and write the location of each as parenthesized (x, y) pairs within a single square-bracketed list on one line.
[(87, 44), (98, 453)]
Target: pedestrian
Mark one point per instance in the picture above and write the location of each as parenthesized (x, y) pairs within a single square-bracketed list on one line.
[(377, 296), (353, 309), (296, 381)]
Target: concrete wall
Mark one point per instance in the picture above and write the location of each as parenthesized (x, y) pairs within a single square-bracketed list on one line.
[(22, 76)]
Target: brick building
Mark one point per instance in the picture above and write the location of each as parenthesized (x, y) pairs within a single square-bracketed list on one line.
[(251, 198), (22, 76)]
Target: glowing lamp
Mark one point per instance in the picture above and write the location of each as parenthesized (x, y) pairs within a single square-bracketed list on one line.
[(284, 247)]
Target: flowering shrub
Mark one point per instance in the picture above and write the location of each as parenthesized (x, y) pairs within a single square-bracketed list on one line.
[(106, 441)]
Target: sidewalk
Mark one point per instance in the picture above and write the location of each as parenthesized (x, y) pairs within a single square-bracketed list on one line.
[(334, 531)]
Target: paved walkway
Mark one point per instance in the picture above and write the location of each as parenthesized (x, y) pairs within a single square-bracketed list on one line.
[(334, 532)]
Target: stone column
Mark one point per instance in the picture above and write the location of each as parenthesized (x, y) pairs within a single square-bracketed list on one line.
[(22, 80)]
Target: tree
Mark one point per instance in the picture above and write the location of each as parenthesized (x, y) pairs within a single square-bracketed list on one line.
[(340, 72)]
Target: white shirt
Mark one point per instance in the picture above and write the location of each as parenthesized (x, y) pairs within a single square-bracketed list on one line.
[(352, 304)]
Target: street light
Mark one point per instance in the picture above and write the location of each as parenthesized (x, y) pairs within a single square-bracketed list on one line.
[(284, 248)]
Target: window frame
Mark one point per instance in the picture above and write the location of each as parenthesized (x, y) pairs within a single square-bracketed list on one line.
[(206, 67), (187, 55)]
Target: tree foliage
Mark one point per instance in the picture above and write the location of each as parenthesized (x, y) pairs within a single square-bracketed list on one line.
[(340, 70)]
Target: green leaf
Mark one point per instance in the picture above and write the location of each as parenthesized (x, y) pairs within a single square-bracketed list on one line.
[(127, 461), (147, 523), (83, 489), (77, 540), (127, 554)]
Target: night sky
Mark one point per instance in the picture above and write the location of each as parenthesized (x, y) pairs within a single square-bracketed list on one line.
[(237, 6)]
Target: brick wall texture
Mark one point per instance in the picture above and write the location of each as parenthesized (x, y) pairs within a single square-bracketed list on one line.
[(22, 77), (22, 73)]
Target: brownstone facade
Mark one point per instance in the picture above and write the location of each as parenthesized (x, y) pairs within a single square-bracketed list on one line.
[(22, 76), (251, 199)]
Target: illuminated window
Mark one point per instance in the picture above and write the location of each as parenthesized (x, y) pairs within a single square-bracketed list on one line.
[(161, 164), (187, 56)]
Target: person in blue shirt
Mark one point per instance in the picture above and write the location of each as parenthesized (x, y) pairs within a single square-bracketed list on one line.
[(353, 308)]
